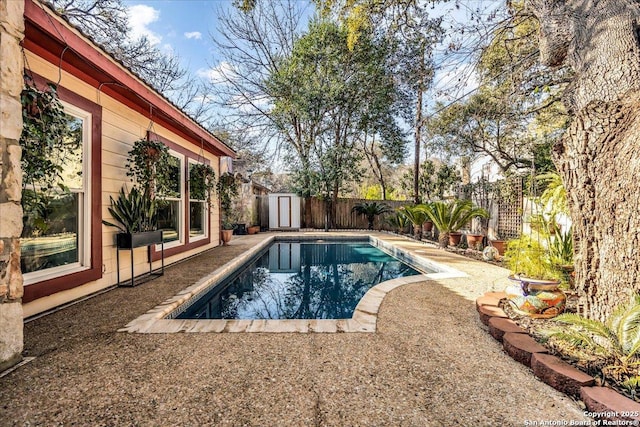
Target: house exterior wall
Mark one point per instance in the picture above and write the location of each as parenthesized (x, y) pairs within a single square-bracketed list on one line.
[(120, 127), (11, 326)]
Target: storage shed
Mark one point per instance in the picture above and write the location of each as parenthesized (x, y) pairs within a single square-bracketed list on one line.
[(284, 211)]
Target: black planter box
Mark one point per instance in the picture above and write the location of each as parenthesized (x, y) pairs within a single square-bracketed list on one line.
[(136, 240)]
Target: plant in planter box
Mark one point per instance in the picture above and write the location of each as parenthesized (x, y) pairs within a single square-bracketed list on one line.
[(534, 290), (135, 214)]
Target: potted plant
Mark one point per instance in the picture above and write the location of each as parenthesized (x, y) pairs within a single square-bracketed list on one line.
[(535, 284), (227, 189), (135, 216), (370, 210), (448, 218), (417, 215)]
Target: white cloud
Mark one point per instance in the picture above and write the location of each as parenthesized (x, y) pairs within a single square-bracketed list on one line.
[(218, 74), (193, 35), (140, 17)]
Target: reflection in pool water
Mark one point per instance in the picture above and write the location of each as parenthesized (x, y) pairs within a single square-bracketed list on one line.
[(300, 280)]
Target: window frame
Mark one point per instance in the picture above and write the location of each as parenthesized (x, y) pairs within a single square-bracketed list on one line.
[(205, 209), (50, 281), (187, 243)]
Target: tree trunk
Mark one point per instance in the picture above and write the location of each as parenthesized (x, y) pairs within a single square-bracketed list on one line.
[(598, 155), (418, 136)]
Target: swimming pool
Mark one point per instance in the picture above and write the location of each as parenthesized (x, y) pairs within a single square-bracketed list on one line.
[(162, 318), (300, 280)]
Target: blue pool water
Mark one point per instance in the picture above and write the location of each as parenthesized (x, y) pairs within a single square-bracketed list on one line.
[(300, 280)]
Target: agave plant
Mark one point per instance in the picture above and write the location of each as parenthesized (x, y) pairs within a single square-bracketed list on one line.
[(613, 344), (134, 212), (370, 210), (450, 217)]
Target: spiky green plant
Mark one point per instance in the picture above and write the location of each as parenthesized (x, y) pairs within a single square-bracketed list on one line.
[(450, 217), (555, 195), (398, 221), (417, 216), (370, 210), (134, 212), (561, 246), (614, 343)]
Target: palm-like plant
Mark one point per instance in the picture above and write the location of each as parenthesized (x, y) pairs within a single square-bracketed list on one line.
[(614, 344), (370, 210), (398, 221), (134, 212), (417, 215), (450, 217)]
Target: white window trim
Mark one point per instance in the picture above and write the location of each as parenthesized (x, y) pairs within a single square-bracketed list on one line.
[(205, 211), (84, 214), (181, 205)]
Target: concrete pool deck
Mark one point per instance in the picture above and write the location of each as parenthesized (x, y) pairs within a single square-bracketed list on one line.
[(429, 363)]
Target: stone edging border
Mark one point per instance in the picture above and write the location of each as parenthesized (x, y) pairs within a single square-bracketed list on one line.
[(602, 403)]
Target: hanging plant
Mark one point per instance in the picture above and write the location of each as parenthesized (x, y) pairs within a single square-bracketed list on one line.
[(202, 182), (149, 166), (46, 138)]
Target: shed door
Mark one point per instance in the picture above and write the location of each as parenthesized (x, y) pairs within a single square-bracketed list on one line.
[(284, 211)]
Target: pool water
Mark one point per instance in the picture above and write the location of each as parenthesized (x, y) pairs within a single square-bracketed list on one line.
[(300, 280)]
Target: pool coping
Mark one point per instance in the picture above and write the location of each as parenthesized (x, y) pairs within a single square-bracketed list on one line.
[(364, 317)]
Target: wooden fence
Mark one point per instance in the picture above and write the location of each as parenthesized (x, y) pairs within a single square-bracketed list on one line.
[(314, 215)]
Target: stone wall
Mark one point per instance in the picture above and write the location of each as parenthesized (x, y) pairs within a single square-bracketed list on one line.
[(11, 83)]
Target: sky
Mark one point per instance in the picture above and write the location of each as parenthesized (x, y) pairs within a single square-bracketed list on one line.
[(186, 27), (181, 26)]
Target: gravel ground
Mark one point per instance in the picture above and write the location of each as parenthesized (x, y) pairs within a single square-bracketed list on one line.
[(430, 363)]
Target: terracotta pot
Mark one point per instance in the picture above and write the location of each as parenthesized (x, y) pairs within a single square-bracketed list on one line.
[(499, 245), (427, 227), (254, 229), (454, 238), (541, 299), (474, 241), (226, 236)]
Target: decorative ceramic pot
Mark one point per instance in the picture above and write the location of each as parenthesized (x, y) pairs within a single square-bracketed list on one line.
[(499, 245), (454, 238), (474, 241), (541, 299), (226, 236)]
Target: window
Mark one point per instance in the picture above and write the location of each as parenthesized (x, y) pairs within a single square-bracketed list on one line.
[(197, 207), (55, 238), (170, 204)]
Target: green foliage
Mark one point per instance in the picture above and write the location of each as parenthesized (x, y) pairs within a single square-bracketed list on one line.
[(554, 195), (434, 181), (133, 212), (370, 210), (561, 246), (227, 189), (46, 139), (202, 182), (149, 166), (613, 344), (450, 217), (528, 257), (398, 220)]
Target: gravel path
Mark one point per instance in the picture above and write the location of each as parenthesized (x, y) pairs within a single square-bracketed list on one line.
[(430, 363)]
